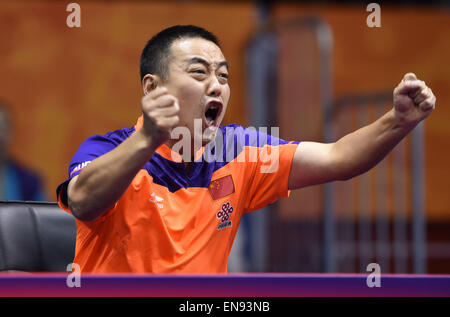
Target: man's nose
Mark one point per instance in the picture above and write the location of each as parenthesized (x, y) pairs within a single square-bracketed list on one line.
[(214, 87)]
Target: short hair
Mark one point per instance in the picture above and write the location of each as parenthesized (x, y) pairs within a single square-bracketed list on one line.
[(155, 55)]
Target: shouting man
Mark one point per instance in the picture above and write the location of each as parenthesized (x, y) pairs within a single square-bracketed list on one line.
[(143, 206)]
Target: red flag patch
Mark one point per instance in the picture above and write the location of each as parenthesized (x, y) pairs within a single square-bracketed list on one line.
[(221, 187)]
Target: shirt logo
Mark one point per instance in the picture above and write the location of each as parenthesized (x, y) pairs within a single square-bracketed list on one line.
[(157, 200), (224, 216), (80, 167), (221, 187)]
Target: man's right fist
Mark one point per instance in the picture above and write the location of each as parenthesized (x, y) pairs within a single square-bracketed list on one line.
[(160, 110)]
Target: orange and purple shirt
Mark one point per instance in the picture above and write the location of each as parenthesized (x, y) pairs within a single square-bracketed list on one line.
[(171, 222)]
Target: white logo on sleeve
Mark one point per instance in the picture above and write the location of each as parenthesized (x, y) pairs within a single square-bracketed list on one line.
[(80, 167), (157, 200)]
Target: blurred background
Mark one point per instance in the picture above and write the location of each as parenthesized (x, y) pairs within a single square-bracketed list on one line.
[(315, 69)]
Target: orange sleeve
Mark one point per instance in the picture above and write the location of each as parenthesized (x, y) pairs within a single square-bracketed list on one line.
[(270, 176)]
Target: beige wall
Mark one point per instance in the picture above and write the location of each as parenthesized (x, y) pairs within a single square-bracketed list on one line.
[(67, 84), (375, 59)]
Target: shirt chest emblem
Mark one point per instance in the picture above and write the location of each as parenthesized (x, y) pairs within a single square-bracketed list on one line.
[(221, 187), (156, 200), (224, 215)]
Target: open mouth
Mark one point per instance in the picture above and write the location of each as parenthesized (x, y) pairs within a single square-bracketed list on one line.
[(213, 110)]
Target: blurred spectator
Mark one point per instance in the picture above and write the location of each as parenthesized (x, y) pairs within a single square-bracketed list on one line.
[(17, 182)]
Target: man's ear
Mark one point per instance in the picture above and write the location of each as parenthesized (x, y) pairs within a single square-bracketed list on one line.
[(150, 82)]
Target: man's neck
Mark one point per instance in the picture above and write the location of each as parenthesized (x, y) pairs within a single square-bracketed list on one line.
[(186, 161), (191, 156)]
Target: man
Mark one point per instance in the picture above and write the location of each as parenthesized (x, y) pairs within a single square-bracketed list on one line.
[(141, 206), (17, 182)]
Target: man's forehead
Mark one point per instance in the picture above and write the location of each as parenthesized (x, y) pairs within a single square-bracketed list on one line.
[(186, 48)]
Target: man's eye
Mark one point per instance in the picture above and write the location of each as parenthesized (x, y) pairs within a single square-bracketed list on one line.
[(198, 71), (224, 75)]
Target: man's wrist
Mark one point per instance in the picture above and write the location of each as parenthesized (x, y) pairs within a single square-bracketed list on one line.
[(401, 122), (146, 142)]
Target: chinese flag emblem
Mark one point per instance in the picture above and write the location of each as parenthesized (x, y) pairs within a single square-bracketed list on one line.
[(221, 187)]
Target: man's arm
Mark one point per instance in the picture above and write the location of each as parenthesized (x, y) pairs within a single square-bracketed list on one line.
[(101, 184), (317, 163)]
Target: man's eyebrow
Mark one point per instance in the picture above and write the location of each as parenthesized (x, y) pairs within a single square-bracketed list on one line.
[(223, 63), (194, 60)]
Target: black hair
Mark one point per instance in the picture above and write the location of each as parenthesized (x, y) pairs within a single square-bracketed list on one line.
[(155, 55)]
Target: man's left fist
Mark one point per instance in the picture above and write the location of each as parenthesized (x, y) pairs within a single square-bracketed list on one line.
[(413, 100)]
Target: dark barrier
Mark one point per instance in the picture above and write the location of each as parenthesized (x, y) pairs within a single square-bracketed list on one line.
[(35, 237)]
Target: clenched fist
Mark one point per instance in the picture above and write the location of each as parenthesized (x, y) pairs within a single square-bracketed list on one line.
[(160, 110), (413, 100)]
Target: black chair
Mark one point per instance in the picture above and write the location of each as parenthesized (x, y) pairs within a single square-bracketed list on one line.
[(35, 237)]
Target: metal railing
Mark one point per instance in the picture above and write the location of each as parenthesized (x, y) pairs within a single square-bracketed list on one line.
[(263, 56), (366, 219), (386, 204)]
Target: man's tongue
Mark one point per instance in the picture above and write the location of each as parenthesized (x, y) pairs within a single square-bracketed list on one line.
[(211, 115), (209, 120)]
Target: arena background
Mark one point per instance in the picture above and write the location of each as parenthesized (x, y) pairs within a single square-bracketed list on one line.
[(64, 84)]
